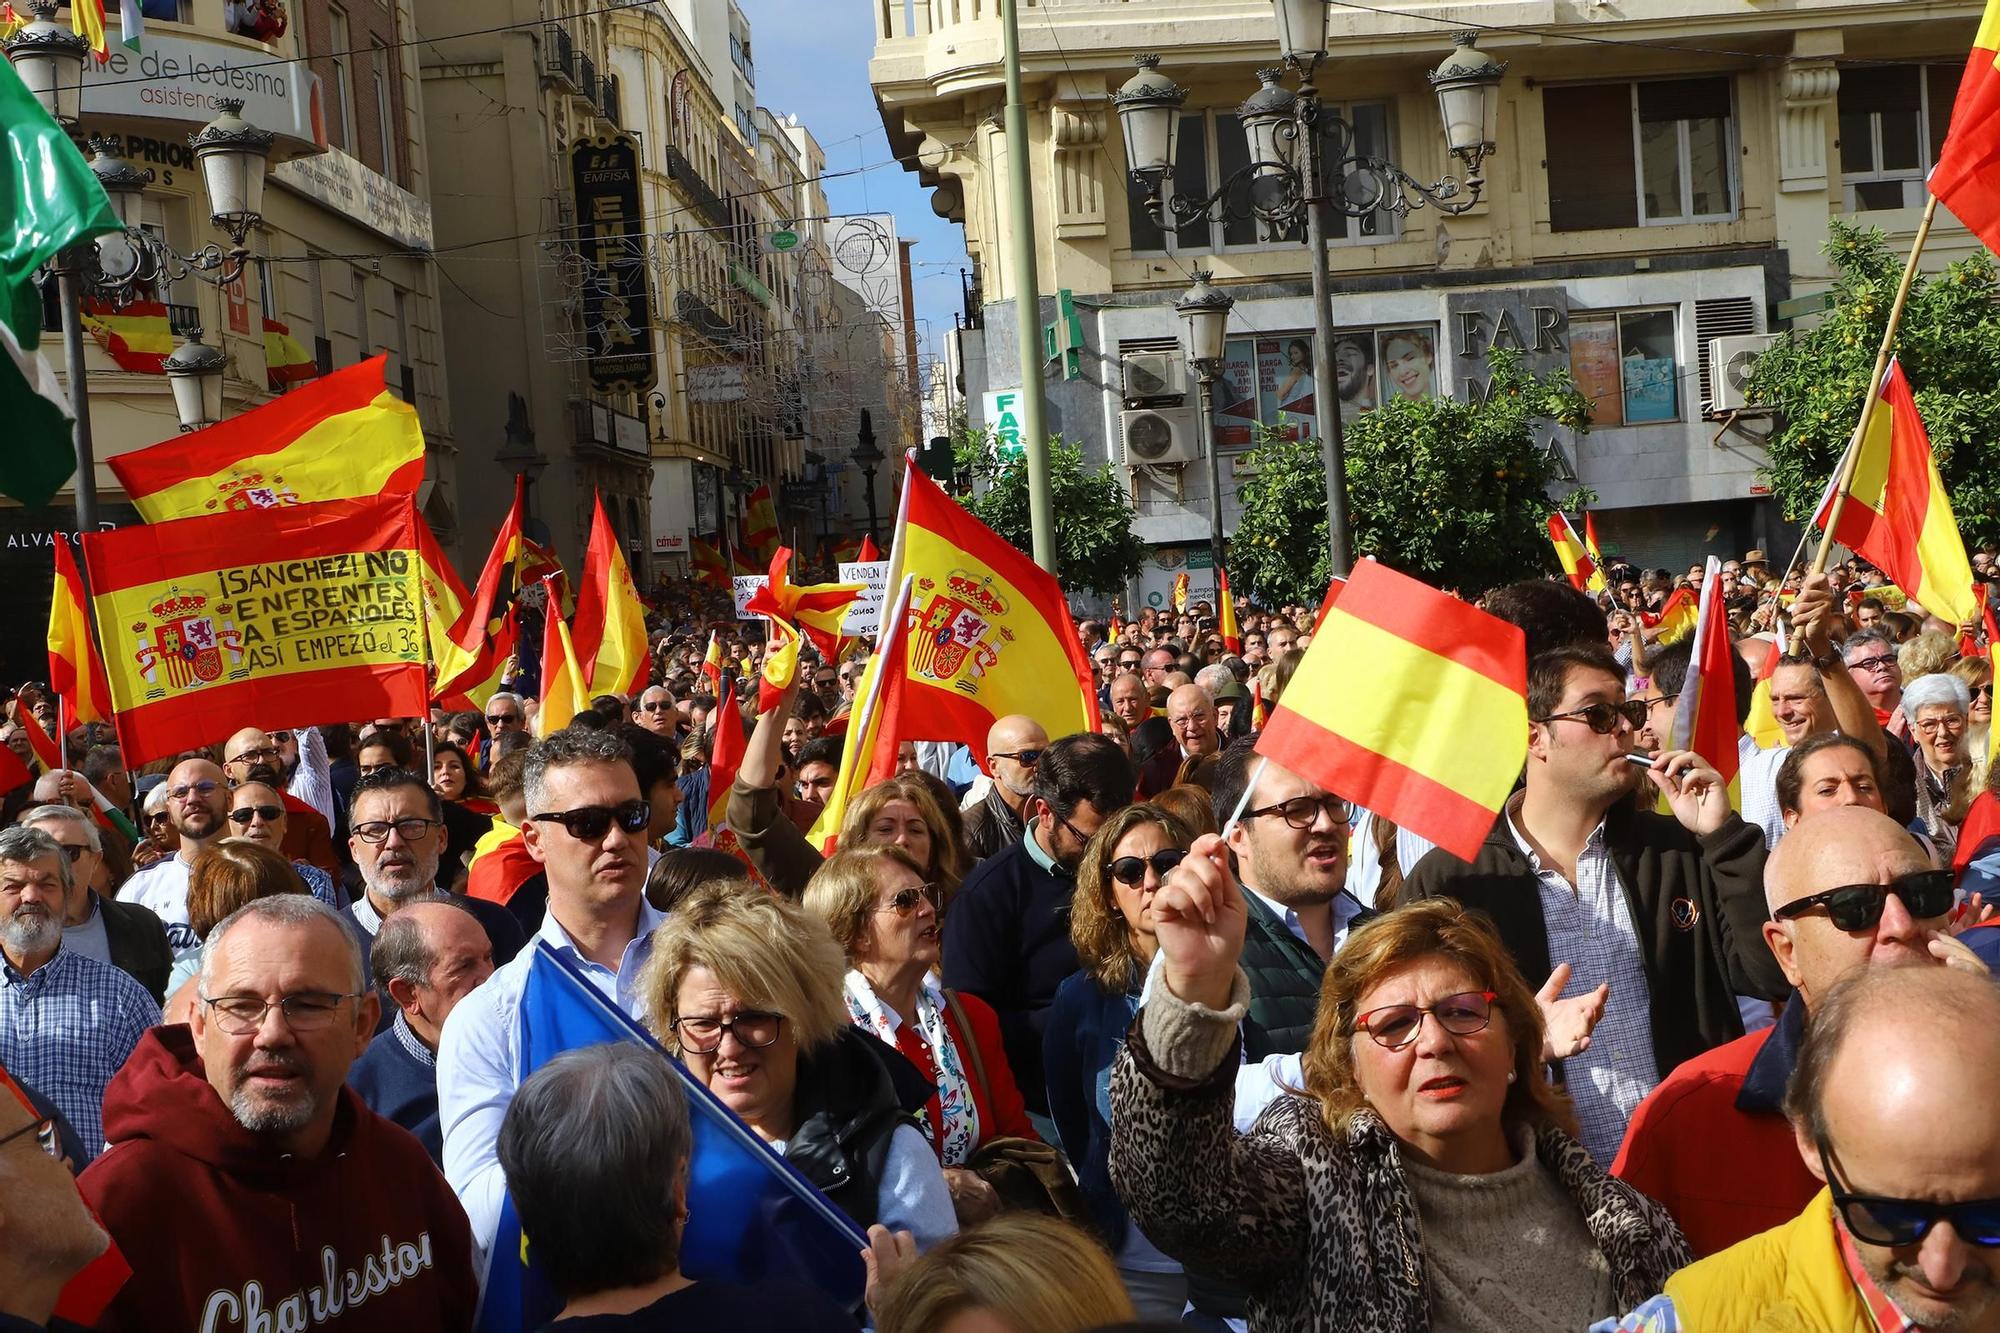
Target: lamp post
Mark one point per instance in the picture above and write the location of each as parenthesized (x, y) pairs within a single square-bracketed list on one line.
[(1302, 166), (195, 373), (739, 486), (517, 454), (867, 458), (1205, 308)]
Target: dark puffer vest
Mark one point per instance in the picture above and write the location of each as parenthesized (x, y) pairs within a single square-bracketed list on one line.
[(1284, 977), (852, 1093)]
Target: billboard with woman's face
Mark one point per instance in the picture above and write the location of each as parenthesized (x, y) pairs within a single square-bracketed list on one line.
[(1269, 381)]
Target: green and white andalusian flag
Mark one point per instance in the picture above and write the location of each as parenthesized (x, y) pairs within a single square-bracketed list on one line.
[(49, 200)]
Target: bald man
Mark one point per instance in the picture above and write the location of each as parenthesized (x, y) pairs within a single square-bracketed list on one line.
[(1878, 1110), (252, 755), (1131, 701), (198, 808), (1711, 1143), (1014, 745)]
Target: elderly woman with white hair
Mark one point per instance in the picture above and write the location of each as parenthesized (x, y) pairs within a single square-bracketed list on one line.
[(1939, 707)]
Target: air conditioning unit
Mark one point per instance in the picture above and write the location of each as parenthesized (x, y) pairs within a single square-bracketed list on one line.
[(1158, 435), (1151, 375), (1730, 361)]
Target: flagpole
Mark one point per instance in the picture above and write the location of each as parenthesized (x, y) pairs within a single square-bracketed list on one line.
[(1845, 477)]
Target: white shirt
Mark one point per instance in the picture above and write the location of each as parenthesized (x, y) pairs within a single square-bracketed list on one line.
[(1364, 863), (312, 780), (162, 888), (1757, 781), (1345, 909), (479, 1061)]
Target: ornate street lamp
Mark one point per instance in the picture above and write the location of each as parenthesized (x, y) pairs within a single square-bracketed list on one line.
[(1148, 106), (195, 372), (1301, 31), (1468, 92), (49, 58), (867, 458), (233, 155), (1205, 309)]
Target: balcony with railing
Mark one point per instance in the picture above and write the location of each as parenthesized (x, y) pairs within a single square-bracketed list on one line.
[(559, 54), (706, 201)]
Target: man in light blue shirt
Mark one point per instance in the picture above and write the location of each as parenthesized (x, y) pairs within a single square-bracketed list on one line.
[(586, 825)]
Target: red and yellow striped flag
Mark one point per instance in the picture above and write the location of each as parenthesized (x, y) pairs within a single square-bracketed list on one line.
[(708, 565), (286, 360), (76, 672), (760, 524), (138, 336), (475, 651), (868, 747), (1582, 571), (87, 17), (1180, 592), (1412, 704), (1675, 619), (1705, 717), (564, 694), (1967, 176), (610, 624), (1897, 516), (711, 664), (725, 756), (1232, 634), (1590, 539), (344, 437), (814, 609)]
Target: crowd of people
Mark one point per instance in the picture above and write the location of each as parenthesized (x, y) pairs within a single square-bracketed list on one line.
[(1126, 1029)]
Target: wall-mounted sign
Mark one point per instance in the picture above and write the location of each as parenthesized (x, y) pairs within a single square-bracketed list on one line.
[(183, 79), (617, 297), (1002, 413), (722, 383), (360, 193), (780, 241)]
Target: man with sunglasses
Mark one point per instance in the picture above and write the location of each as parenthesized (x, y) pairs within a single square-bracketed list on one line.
[(1660, 913), (246, 1184), (125, 935), (658, 713), (252, 756), (1848, 889), (586, 825), (1904, 1234), (198, 808), (1014, 746), (47, 1235), (257, 814)]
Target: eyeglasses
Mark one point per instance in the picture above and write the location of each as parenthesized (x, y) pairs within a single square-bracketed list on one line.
[(1983, 692), (307, 1011), (1885, 662), (1949, 722), (1025, 758), (1397, 1025), (503, 719), (1132, 869), (1602, 718), (205, 788), (1302, 812), (906, 900), (1895, 1223), (45, 1134), (591, 822), (703, 1035), (376, 831), (283, 737), (270, 814), (157, 817), (658, 706), (262, 752), (1852, 907)]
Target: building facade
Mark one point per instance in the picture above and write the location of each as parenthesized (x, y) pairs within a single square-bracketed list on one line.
[(1664, 178)]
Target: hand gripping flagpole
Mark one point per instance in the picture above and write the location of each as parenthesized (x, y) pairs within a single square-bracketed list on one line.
[(1844, 479)]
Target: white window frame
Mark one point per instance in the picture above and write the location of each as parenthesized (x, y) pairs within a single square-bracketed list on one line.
[(1911, 178), (1391, 228), (1732, 151), (338, 43), (1682, 372)]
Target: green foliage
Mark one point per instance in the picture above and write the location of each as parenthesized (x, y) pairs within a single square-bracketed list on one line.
[(1454, 493), (1096, 549), (1949, 343)]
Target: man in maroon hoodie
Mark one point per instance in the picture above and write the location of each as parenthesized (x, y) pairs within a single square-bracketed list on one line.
[(249, 1188)]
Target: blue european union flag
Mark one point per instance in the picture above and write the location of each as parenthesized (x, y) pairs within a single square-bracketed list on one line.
[(751, 1216)]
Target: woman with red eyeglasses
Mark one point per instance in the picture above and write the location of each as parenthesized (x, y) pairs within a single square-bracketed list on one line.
[(885, 915)]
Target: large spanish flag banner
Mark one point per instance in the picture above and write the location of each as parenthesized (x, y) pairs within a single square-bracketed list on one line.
[(1897, 516), (1967, 176), (1581, 570), (76, 673), (610, 624), (309, 613), (138, 337), (990, 630), (344, 437), (1412, 704)]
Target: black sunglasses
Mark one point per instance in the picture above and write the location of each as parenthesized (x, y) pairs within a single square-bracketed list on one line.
[(591, 822), (1132, 869), (1025, 758), (1875, 1220), (1602, 718), (270, 814), (1926, 893)]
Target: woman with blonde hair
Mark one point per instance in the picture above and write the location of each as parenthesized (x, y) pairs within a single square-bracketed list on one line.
[(226, 876), (745, 987), (1977, 673), (1111, 925), (1426, 1175), (1019, 1273), (884, 915)]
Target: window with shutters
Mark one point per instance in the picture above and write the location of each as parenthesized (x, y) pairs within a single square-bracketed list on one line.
[(1649, 153), (1893, 120)]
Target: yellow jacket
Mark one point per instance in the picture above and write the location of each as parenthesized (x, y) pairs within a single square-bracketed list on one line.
[(1786, 1280)]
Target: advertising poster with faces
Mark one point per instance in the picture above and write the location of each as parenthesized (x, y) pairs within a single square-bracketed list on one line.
[(1623, 361), (1269, 381)]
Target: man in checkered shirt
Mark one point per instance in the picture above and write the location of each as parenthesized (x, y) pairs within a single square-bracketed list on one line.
[(67, 1022), (1660, 914)]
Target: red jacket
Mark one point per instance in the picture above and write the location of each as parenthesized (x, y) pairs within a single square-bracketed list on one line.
[(224, 1234), (1713, 1146), (1003, 1115)]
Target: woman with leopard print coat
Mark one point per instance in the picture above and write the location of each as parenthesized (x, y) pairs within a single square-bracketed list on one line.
[(1426, 1178)]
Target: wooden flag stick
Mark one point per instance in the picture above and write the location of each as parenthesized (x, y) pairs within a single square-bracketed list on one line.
[(1853, 454)]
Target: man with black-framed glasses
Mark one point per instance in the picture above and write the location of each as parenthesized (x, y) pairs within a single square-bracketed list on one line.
[(47, 1235), (1905, 1236), (1660, 914), (238, 1150)]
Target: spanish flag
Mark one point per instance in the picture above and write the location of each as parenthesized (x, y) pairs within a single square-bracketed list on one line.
[(344, 437), (1180, 592), (815, 609), (476, 650), (1705, 717), (869, 552), (1232, 635), (76, 672), (610, 622), (1675, 618), (87, 18), (1967, 176), (1897, 516), (564, 693), (1411, 703), (708, 565), (760, 524), (1590, 539), (138, 337), (868, 747), (445, 597), (286, 360), (725, 756), (1583, 572), (711, 664)]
